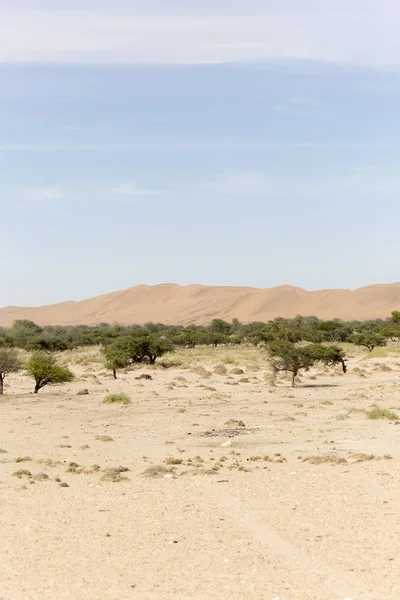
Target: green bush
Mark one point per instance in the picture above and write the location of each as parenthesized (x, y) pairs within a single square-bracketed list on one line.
[(381, 413), (117, 399)]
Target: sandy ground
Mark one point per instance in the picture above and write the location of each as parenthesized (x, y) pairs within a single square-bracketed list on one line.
[(244, 516)]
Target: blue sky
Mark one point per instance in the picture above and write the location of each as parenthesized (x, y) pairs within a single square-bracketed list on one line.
[(254, 143)]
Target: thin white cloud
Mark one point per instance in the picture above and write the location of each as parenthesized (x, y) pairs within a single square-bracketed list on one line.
[(53, 193), (250, 183), (361, 32), (197, 145), (356, 183), (45, 193), (127, 190)]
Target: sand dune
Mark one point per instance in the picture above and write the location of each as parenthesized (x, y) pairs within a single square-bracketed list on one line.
[(174, 304)]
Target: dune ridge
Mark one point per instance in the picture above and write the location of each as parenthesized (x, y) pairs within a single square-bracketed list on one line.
[(182, 305)]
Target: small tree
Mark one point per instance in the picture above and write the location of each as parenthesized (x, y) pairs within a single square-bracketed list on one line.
[(116, 355), (220, 326), (396, 317), (156, 347), (48, 344), (45, 370), (335, 331), (285, 356), (368, 340), (23, 331), (187, 339), (9, 363), (142, 344), (213, 338)]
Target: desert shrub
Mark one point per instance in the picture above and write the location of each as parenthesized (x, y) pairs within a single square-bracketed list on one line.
[(117, 399), (377, 412)]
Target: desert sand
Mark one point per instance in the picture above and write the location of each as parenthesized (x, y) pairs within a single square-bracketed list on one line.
[(211, 483), (176, 305)]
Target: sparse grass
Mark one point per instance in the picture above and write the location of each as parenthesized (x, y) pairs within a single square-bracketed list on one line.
[(169, 363), (104, 438), (369, 457), (157, 471), (327, 459), (266, 458), (234, 423), (234, 465), (392, 349), (204, 355), (363, 457), (376, 412), (114, 475), (82, 356), (72, 467), (20, 459), (173, 461), (41, 477), (22, 473), (49, 462), (117, 399)]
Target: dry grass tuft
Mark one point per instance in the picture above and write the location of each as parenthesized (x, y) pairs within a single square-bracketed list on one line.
[(381, 413), (173, 461), (114, 475), (22, 473), (157, 471), (234, 423), (20, 459), (360, 457), (49, 462), (326, 459), (41, 477), (82, 356)]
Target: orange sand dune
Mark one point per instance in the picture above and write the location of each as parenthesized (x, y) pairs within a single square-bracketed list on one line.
[(177, 305)]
